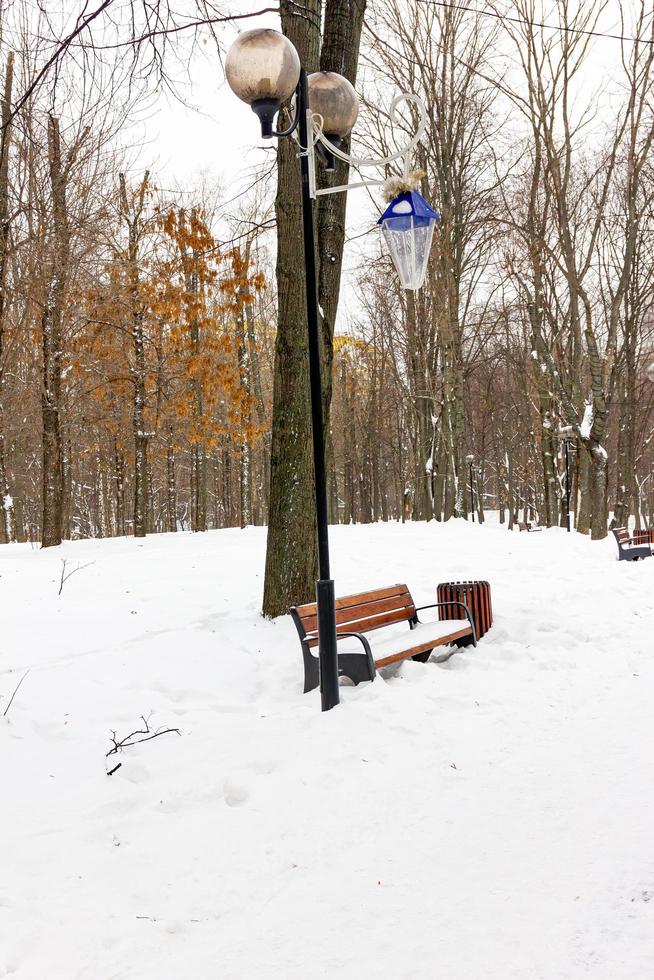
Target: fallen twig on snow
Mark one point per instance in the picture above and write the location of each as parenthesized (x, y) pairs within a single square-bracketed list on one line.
[(147, 733), (4, 713), (64, 577)]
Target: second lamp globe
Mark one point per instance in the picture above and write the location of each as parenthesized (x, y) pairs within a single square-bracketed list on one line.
[(335, 99)]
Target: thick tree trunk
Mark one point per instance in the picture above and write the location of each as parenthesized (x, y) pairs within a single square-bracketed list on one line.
[(599, 487), (583, 496), (339, 53), (291, 557)]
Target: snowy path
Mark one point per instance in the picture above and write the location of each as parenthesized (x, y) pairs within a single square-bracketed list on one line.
[(490, 817)]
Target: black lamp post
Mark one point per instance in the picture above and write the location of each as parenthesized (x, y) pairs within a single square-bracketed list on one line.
[(263, 69), (470, 459), (567, 434)]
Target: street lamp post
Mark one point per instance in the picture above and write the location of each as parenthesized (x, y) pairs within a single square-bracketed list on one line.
[(567, 434), (263, 69), (470, 459)]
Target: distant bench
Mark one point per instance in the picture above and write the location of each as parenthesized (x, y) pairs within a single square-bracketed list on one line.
[(528, 526), (379, 609), (627, 550)]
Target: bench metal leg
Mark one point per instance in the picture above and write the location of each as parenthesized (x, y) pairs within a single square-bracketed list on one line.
[(422, 658), (355, 666), (352, 665), (311, 670)]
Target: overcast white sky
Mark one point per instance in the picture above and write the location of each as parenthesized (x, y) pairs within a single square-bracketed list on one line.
[(218, 136), (221, 137)]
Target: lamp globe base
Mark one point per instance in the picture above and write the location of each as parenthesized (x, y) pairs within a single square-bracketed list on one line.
[(266, 110)]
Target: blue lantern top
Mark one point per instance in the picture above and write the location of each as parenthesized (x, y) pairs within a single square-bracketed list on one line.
[(407, 206)]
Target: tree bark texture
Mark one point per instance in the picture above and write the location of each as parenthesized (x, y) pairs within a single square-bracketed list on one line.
[(291, 555), (6, 502), (132, 217), (52, 341)]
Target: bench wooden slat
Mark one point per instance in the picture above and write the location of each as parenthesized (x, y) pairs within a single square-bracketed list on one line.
[(422, 647), (348, 615), (370, 623), (356, 600)]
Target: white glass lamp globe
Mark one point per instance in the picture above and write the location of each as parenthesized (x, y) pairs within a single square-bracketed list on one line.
[(335, 99), (263, 68)]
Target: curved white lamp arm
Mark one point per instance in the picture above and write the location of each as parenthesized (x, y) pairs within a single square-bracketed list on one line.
[(315, 127)]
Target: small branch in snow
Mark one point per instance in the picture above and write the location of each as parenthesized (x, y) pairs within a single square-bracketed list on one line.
[(65, 576), (4, 713), (147, 733)]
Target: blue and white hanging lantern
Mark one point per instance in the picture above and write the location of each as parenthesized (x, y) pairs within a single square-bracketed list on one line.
[(408, 224)]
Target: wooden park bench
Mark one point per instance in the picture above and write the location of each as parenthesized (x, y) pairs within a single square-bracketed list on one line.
[(389, 609), (528, 526), (627, 550)]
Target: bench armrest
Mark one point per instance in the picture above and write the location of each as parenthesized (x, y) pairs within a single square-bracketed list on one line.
[(366, 648), (435, 605)]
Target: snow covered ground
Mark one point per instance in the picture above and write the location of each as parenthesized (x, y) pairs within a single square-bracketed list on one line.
[(488, 818)]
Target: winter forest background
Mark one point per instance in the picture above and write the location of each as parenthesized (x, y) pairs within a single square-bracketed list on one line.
[(139, 323)]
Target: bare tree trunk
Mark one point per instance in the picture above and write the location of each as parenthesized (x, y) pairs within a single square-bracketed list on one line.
[(343, 23), (291, 556), (6, 500), (198, 456), (52, 341), (119, 484), (132, 217), (583, 499), (171, 486), (423, 406)]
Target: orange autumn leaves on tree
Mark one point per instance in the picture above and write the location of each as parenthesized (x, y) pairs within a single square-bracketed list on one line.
[(194, 379), (207, 398)]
